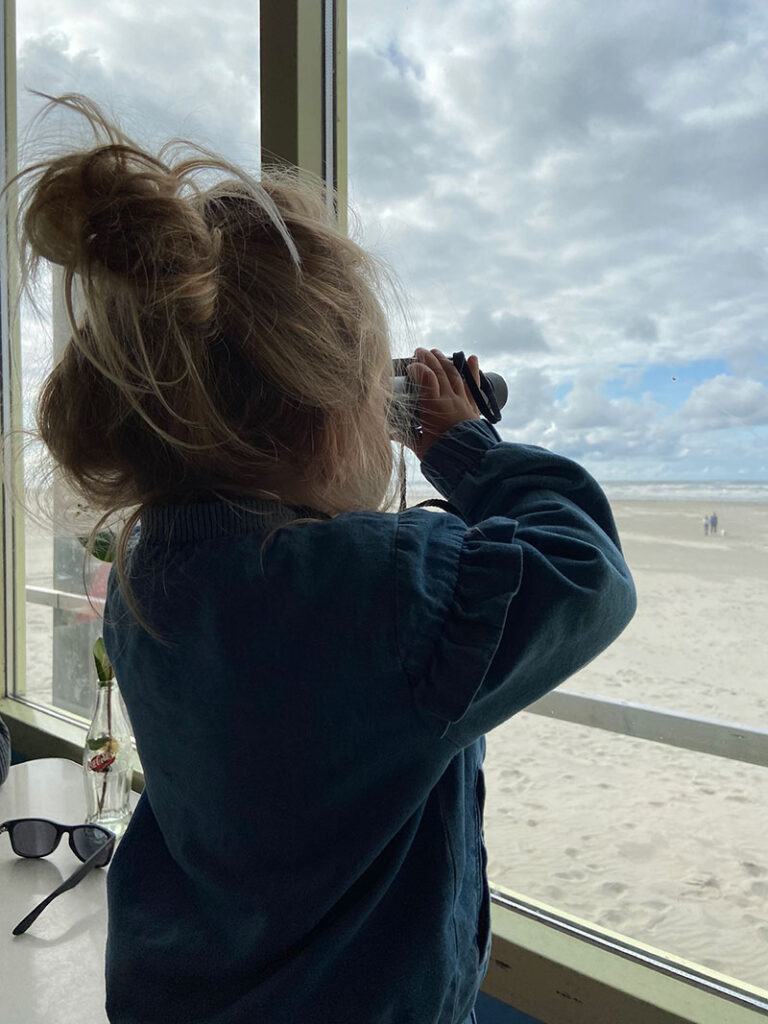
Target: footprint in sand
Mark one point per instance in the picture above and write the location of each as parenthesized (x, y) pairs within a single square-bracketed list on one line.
[(701, 887), (612, 918), (613, 888), (656, 904), (752, 869)]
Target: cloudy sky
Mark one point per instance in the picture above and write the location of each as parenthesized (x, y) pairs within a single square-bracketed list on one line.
[(575, 191)]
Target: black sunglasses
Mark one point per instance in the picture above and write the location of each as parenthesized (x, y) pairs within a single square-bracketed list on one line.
[(37, 837)]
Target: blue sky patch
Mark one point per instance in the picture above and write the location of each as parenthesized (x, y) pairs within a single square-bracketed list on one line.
[(670, 385)]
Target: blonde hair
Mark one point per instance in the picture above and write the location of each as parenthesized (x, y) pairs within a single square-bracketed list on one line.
[(227, 338)]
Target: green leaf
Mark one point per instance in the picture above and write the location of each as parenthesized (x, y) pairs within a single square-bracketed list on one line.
[(104, 669), (98, 742), (104, 545)]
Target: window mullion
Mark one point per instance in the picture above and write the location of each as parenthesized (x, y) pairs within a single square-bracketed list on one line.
[(12, 534), (303, 90)]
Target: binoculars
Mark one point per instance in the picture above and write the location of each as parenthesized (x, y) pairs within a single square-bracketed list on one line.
[(489, 398)]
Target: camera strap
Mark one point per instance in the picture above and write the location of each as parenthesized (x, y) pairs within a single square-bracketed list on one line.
[(446, 506), (485, 399)]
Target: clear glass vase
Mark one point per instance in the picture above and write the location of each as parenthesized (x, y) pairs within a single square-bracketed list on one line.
[(108, 761)]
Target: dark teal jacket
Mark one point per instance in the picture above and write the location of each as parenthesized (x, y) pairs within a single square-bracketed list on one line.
[(309, 846)]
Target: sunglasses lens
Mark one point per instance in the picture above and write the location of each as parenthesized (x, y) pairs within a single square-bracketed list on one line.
[(87, 840), (34, 838)]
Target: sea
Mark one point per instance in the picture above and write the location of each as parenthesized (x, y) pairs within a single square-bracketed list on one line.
[(705, 492), (709, 492)]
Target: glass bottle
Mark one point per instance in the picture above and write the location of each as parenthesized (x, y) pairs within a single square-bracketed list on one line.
[(108, 753)]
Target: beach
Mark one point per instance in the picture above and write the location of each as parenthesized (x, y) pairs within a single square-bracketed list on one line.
[(662, 845)]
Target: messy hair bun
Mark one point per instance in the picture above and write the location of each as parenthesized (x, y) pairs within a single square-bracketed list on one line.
[(226, 337), (115, 211)]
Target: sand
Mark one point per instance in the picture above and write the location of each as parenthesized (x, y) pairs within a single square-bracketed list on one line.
[(659, 844), (662, 845)]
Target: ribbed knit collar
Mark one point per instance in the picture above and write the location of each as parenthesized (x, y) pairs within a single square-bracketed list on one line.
[(207, 520)]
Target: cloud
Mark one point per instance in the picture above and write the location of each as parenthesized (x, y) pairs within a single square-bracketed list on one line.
[(593, 193), (726, 401), (567, 196), (642, 328), (395, 138), (530, 403), (481, 330), (161, 75)]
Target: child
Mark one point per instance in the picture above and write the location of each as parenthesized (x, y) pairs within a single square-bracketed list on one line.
[(309, 677)]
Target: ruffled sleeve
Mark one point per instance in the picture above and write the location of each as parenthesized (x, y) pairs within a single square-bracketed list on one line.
[(500, 603), (454, 590)]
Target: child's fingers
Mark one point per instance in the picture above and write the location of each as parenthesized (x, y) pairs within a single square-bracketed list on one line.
[(424, 377), (448, 375), (474, 367)]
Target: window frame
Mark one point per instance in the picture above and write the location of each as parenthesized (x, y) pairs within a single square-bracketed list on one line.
[(9, 547), (544, 962), (562, 970)]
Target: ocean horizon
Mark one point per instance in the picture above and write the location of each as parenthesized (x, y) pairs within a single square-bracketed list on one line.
[(707, 492)]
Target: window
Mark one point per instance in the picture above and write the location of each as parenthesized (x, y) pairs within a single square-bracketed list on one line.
[(575, 193), (560, 193), (174, 70)]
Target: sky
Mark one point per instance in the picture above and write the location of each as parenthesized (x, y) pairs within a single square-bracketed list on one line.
[(575, 191)]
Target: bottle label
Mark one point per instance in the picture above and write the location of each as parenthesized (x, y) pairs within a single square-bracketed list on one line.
[(101, 762)]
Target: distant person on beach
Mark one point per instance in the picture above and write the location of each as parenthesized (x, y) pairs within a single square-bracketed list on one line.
[(310, 677), (706, 525), (713, 523)]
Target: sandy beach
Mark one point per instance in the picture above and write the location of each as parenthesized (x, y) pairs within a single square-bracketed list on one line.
[(662, 845)]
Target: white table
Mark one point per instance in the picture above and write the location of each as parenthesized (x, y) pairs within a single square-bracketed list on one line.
[(54, 973)]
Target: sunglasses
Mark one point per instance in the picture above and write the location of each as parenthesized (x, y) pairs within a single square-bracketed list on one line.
[(37, 837)]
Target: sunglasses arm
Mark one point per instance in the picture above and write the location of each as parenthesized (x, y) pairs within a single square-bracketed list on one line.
[(68, 883)]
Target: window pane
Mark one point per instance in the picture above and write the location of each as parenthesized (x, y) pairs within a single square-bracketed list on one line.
[(165, 71), (662, 845), (576, 193), (697, 642)]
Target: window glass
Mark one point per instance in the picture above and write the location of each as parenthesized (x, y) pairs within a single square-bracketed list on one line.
[(163, 71), (576, 193)]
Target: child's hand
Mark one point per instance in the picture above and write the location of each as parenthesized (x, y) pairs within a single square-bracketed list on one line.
[(444, 398)]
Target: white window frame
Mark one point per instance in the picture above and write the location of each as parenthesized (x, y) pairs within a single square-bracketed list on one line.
[(544, 962)]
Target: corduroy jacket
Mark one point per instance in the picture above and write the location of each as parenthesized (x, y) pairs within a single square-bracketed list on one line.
[(311, 720)]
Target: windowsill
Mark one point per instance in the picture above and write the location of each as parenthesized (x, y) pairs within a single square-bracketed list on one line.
[(559, 978), (542, 970)]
